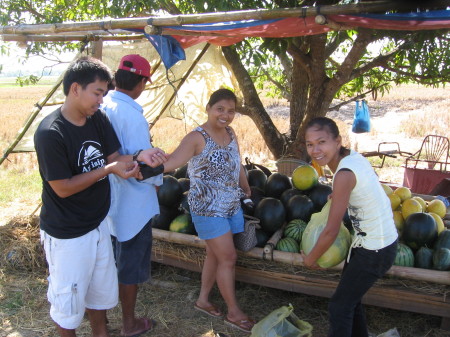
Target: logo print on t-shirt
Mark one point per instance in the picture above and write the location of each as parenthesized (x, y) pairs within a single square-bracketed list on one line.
[(90, 156)]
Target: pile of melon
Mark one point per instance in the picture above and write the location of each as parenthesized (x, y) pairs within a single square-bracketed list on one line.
[(424, 240)]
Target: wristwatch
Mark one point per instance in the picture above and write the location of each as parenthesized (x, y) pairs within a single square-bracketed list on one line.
[(136, 155)]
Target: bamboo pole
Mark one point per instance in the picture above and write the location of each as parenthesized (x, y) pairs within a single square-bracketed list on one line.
[(272, 242), (418, 274), (255, 14), (75, 37)]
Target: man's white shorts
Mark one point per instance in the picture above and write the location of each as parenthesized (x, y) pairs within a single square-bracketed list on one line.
[(82, 275)]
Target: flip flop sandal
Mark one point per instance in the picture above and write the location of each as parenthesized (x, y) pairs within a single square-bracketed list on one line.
[(245, 325), (149, 324), (210, 311)]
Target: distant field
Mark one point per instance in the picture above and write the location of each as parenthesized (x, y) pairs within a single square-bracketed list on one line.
[(6, 82)]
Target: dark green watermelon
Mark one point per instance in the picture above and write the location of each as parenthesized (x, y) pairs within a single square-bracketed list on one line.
[(423, 258), (256, 196), (181, 172), (319, 195), (184, 204), (170, 192), (276, 184), (271, 213), (420, 229), (261, 238), (288, 194), (185, 184), (165, 217), (257, 178), (443, 240), (299, 207), (441, 259)]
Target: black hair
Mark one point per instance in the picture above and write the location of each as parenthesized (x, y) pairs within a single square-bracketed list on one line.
[(84, 71), (221, 94), (322, 123), (127, 80)]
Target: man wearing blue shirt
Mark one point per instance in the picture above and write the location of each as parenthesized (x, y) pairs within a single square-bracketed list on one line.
[(134, 202)]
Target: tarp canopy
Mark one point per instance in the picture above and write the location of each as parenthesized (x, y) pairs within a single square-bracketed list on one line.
[(160, 99), (228, 33)]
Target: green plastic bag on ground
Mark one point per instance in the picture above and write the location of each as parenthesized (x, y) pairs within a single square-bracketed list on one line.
[(282, 322), (338, 250)]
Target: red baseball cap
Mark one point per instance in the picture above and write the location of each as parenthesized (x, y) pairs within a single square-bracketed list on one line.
[(135, 64)]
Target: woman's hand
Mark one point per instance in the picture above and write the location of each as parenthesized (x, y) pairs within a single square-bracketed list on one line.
[(308, 262)]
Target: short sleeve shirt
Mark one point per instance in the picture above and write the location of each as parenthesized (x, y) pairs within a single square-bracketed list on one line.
[(63, 151)]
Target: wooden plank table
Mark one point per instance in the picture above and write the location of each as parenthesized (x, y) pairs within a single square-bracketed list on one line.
[(392, 297)]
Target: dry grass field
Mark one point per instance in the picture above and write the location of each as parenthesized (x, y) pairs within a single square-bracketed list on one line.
[(405, 116)]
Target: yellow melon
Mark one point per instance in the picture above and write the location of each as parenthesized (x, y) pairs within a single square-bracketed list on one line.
[(399, 221), (395, 200), (439, 223), (387, 189), (437, 206), (403, 192), (422, 202), (410, 206)]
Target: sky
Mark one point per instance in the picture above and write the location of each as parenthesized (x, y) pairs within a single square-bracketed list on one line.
[(13, 64)]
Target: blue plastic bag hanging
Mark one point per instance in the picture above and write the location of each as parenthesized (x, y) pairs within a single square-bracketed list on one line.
[(361, 123)]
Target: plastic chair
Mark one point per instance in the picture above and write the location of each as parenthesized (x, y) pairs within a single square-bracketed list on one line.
[(434, 151)]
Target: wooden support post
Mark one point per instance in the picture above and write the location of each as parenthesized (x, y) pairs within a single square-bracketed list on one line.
[(97, 49)]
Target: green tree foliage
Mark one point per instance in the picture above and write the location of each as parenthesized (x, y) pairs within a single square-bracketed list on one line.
[(309, 71)]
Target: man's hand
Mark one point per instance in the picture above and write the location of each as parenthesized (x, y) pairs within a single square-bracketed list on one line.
[(124, 170), (153, 157)]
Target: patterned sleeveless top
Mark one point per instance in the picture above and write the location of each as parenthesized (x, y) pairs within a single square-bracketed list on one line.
[(214, 178)]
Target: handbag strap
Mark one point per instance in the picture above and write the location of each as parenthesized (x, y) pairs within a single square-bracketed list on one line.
[(252, 220)]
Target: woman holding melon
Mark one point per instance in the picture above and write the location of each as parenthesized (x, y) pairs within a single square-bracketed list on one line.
[(374, 244), (217, 183)]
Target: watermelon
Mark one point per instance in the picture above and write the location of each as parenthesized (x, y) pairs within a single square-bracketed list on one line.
[(419, 230), (305, 177), (443, 240), (261, 237), (441, 259), (257, 178), (271, 213), (423, 258), (319, 195), (404, 257), (338, 250), (256, 196), (165, 217), (181, 172), (170, 192), (184, 204), (185, 184), (288, 194), (299, 207), (294, 229), (276, 184), (183, 224), (287, 245)]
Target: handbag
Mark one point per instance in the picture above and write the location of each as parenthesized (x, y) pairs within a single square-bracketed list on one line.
[(282, 322), (361, 122), (246, 240)]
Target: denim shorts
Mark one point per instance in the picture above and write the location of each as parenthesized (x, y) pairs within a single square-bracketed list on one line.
[(133, 256), (210, 227)]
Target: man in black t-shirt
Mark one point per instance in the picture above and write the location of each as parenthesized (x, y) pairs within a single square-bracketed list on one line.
[(77, 148)]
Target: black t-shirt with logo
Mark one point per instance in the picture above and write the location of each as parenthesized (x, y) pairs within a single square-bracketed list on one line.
[(63, 151)]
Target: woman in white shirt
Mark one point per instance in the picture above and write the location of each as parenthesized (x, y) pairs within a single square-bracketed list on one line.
[(374, 245)]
